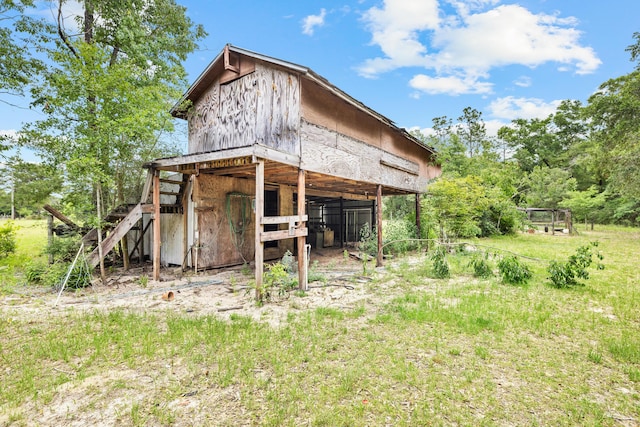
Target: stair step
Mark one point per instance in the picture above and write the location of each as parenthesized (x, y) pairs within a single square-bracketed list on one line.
[(172, 181)]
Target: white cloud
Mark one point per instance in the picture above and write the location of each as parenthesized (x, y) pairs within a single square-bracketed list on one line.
[(449, 85), (464, 7), (310, 22), (459, 47), (523, 81), (9, 133), (510, 108), (510, 34), (395, 28)]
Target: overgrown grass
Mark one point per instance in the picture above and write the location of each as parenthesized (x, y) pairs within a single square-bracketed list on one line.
[(31, 238), (457, 351)]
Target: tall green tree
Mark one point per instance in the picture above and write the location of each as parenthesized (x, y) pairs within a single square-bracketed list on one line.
[(614, 111), (108, 90), (19, 66), (547, 187), (31, 184)]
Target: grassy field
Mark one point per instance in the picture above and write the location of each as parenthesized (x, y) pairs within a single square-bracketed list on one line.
[(459, 351), (31, 239)]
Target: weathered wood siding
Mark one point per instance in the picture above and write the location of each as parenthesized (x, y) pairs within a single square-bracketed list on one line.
[(171, 236), (328, 121), (330, 152), (278, 110), (214, 238), (216, 246), (262, 107)]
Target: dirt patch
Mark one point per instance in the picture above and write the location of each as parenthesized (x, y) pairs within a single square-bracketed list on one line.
[(222, 293)]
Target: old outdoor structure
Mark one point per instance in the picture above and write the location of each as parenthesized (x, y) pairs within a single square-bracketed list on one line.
[(278, 159)]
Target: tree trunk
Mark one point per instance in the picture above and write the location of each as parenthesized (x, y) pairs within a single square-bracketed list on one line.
[(103, 275)]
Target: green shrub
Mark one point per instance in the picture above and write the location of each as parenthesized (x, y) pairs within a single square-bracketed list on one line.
[(368, 240), (276, 283), (514, 271), (400, 233), (440, 267), (63, 248), (7, 239), (481, 265), (40, 273), (567, 274), (34, 272)]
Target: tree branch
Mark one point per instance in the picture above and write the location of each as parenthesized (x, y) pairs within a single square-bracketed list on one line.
[(61, 32)]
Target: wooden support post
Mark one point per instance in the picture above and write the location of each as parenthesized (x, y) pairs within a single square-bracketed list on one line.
[(379, 224), (141, 241), (50, 236), (259, 245), (553, 222), (302, 250), (124, 243), (342, 226), (418, 222), (185, 222), (156, 226)]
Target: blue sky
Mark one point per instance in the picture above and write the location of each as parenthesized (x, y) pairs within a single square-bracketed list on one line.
[(413, 60)]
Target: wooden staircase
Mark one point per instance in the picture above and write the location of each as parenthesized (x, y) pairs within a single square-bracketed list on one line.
[(126, 217)]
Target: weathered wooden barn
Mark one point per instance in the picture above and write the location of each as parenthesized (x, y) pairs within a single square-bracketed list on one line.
[(278, 159)]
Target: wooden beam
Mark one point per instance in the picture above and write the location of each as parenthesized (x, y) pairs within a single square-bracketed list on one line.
[(343, 240), (270, 236), (259, 245), (156, 226), (147, 187), (50, 236), (418, 213), (60, 216), (302, 251), (379, 224), (118, 233), (284, 219), (185, 221)]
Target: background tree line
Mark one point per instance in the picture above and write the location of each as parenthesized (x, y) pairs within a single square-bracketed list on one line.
[(104, 83), (582, 157)]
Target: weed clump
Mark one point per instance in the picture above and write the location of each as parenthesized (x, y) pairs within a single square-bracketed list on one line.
[(7, 239), (481, 266), (440, 268), (513, 271), (567, 274)]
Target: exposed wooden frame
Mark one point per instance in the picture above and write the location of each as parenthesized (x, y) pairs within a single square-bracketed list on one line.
[(418, 213), (295, 229), (156, 226), (379, 225), (302, 251), (259, 214)]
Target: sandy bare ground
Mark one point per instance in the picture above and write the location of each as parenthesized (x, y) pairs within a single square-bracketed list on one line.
[(101, 401), (222, 293)]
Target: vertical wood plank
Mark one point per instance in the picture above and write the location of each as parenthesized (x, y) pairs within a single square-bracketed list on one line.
[(259, 246), (141, 241), (50, 236), (418, 212), (302, 265), (379, 224), (185, 221), (343, 240), (156, 226), (124, 243)]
